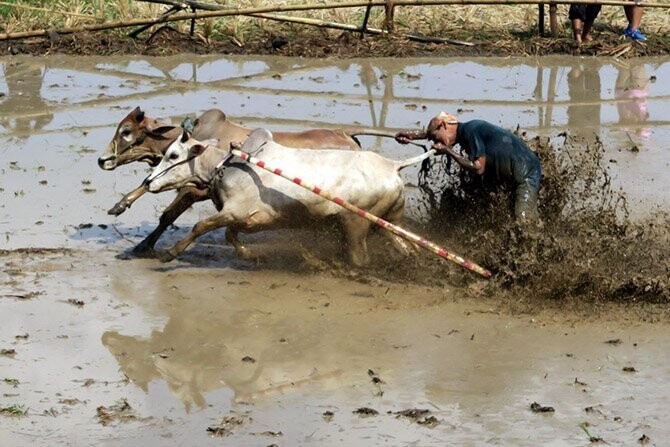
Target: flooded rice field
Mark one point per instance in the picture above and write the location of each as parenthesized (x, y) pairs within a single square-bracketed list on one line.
[(564, 346)]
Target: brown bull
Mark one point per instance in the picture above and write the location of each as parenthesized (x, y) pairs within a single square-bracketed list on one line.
[(142, 138)]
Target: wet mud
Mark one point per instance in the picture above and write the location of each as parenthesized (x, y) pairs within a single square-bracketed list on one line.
[(297, 348), (586, 248)]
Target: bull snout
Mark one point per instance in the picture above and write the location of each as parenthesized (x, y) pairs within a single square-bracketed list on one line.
[(107, 163), (153, 184), (147, 184)]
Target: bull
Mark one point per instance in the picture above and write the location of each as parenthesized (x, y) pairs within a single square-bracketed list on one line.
[(250, 199), (141, 138)]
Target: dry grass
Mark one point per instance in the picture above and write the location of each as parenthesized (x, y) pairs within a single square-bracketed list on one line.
[(460, 21)]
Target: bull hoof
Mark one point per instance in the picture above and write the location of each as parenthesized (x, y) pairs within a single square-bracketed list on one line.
[(117, 209), (144, 251), (165, 256), (245, 254)]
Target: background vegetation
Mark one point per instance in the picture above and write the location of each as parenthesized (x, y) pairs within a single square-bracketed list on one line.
[(463, 22)]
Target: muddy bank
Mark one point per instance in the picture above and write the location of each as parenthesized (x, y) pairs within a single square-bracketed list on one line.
[(335, 44)]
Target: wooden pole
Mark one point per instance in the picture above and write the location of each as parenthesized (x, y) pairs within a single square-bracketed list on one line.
[(167, 13), (388, 9), (553, 20), (364, 26), (344, 26)]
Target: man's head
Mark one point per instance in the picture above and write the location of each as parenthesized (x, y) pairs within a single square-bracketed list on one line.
[(442, 129)]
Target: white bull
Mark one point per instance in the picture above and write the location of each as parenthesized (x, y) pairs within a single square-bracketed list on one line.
[(250, 199)]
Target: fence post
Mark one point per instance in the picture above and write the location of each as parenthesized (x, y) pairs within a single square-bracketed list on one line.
[(540, 18), (389, 15), (553, 20)]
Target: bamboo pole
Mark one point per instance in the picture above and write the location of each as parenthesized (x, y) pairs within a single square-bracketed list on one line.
[(306, 7), (346, 27)]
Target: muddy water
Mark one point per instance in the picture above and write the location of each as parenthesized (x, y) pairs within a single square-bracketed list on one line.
[(278, 353)]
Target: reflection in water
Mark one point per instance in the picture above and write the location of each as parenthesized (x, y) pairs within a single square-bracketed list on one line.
[(24, 97), (210, 342), (584, 90), (265, 335), (631, 91)]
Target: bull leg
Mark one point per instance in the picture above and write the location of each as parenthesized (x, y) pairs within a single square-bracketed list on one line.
[(127, 200), (185, 198), (204, 226), (356, 230), (255, 221), (232, 234), (394, 216)]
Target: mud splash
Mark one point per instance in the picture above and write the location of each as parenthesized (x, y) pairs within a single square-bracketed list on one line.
[(586, 248)]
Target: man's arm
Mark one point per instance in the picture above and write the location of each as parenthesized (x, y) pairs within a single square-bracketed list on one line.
[(478, 166), (405, 136)]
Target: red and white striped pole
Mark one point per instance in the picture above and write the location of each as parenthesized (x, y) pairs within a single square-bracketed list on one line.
[(440, 251)]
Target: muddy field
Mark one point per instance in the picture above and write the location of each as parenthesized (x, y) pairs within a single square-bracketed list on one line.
[(565, 346)]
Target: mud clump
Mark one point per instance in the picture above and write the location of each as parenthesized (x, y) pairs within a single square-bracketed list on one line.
[(121, 411)]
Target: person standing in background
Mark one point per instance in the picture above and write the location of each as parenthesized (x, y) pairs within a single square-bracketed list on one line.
[(634, 15), (582, 17)]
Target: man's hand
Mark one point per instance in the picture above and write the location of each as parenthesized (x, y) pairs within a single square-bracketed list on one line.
[(477, 166), (403, 137), (443, 149)]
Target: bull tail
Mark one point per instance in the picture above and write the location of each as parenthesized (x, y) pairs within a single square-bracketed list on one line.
[(410, 161), (368, 131), (353, 133)]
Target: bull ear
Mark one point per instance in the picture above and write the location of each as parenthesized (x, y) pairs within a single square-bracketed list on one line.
[(184, 136), (196, 150), (160, 130)]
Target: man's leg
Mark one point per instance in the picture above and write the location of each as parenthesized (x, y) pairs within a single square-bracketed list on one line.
[(525, 202)]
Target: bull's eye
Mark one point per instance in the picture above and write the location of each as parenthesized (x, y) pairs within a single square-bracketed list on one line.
[(174, 156), (125, 133)]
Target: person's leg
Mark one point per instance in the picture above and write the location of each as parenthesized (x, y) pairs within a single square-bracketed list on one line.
[(586, 37), (525, 197), (577, 16), (592, 12), (577, 29), (634, 16)]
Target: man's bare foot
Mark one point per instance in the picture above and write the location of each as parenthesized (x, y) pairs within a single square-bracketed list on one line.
[(587, 38)]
